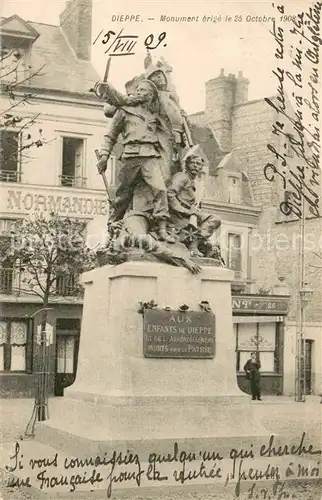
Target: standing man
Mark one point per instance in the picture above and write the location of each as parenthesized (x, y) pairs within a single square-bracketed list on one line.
[(141, 158), (252, 368)]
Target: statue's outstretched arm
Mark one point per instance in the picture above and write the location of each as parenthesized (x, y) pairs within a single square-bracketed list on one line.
[(116, 98)]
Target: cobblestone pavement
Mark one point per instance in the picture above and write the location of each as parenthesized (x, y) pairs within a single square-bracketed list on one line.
[(278, 414)]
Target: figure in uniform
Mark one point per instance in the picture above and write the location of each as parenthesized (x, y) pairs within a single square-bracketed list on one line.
[(185, 215), (173, 131), (142, 161)]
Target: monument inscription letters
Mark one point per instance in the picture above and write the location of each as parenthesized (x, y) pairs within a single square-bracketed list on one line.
[(176, 334)]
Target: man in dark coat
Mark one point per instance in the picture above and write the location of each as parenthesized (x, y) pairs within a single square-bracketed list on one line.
[(252, 368)]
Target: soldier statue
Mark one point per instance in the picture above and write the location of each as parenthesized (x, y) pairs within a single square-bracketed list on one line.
[(156, 207)]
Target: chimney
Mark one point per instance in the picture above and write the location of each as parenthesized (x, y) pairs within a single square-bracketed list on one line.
[(76, 23), (220, 100), (241, 94)]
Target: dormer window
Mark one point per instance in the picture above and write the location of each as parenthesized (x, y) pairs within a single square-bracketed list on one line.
[(234, 189), (17, 37), (13, 65)]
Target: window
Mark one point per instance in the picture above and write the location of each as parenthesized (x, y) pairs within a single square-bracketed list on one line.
[(13, 65), (9, 275), (6, 226), (287, 196), (261, 338), (72, 162), (67, 342), (9, 156), (68, 285), (234, 189), (13, 344), (66, 348), (234, 254), (6, 280)]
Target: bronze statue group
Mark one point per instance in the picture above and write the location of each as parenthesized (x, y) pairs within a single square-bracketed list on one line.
[(155, 207)]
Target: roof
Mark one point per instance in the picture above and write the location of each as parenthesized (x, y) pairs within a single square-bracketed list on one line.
[(16, 26), (202, 135), (63, 71)]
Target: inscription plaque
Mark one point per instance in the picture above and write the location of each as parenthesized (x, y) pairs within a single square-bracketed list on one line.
[(175, 334)]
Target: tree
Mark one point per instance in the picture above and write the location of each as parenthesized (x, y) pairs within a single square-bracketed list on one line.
[(47, 250), (19, 130)]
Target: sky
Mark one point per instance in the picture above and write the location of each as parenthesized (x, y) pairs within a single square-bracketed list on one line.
[(196, 51)]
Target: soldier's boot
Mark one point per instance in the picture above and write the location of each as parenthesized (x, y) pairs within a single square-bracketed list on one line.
[(162, 232), (193, 248)]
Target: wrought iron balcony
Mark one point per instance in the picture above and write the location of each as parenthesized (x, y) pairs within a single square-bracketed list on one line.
[(72, 181), (68, 286), (10, 176)]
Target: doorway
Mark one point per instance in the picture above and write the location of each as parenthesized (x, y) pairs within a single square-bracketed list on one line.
[(67, 346)]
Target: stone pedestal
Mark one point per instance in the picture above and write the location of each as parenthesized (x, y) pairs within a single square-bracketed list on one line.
[(122, 400), (111, 361)]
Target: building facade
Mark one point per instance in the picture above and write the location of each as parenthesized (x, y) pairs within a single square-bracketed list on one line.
[(269, 248), (60, 177)]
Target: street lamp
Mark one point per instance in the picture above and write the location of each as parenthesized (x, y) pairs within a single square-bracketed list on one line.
[(40, 409), (305, 294)]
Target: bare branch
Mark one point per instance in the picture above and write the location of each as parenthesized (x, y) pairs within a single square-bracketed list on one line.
[(5, 56), (27, 291), (14, 106), (12, 70), (32, 121), (37, 143), (36, 276)]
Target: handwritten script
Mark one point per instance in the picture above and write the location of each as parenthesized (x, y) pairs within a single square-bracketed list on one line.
[(239, 468), (295, 148), (124, 45)]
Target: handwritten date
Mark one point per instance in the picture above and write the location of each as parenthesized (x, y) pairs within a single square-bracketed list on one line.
[(124, 45)]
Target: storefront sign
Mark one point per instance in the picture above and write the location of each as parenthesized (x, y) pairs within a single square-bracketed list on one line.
[(173, 334), (260, 305), (61, 204)]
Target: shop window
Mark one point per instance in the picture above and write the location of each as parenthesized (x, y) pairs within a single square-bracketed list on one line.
[(234, 254), (13, 345), (67, 342), (66, 353), (260, 338), (9, 156), (72, 168)]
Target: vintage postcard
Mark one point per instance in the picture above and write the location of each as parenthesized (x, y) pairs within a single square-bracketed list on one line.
[(160, 250)]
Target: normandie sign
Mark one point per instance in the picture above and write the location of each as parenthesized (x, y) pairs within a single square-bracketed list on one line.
[(24, 201)]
